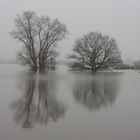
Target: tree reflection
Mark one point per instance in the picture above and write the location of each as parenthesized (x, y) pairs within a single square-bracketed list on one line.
[(38, 104), (98, 92)]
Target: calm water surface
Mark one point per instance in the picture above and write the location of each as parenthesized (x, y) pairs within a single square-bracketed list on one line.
[(69, 106)]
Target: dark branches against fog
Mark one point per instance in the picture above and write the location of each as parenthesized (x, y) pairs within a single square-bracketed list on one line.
[(39, 36), (49, 33), (25, 33), (94, 52)]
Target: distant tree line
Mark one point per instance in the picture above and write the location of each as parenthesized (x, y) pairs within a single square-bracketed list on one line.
[(40, 35), (137, 64)]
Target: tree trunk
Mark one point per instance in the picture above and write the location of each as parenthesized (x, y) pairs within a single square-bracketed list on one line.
[(41, 67), (93, 70), (34, 69)]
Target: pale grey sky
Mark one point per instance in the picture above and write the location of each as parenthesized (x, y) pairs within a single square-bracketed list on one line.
[(118, 18)]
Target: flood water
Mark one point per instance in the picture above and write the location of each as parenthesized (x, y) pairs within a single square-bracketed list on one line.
[(67, 105)]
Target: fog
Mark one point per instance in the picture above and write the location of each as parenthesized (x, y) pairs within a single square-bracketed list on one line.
[(119, 19)]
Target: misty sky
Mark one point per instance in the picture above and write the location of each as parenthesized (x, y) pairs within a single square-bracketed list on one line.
[(118, 18)]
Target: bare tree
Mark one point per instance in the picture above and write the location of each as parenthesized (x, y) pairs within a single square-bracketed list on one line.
[(39, 36), (49, 33), (95, 51), (25, 32)]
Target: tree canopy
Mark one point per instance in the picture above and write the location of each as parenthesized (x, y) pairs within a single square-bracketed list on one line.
[(95, 51), (39, 36)]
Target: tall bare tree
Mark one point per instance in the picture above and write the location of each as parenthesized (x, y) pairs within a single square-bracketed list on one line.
[(49, 32), (94, 52), (39, 36)]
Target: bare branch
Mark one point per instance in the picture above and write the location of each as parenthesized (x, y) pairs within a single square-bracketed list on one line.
[(96, 51)]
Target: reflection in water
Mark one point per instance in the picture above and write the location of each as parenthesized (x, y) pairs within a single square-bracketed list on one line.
[(38, 104), (98, 92)]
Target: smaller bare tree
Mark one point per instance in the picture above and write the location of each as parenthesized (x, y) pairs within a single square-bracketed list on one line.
[(94, 52)]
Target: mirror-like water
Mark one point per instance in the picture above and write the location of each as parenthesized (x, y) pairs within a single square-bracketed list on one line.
[(68, 105)]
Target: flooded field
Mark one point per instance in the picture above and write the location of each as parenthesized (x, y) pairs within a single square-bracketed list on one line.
[(67, 105)]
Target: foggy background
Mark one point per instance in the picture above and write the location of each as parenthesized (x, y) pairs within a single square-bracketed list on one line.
[(120, 19)]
